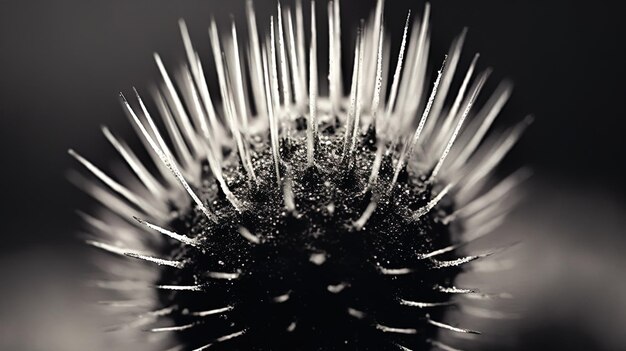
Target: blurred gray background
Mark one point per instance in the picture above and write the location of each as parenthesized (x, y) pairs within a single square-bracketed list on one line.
[(62, 64)]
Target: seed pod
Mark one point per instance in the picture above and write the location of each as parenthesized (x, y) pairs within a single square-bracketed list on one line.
[(278, 218)]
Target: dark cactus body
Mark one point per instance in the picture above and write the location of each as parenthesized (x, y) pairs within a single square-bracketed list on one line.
[(314, 280)]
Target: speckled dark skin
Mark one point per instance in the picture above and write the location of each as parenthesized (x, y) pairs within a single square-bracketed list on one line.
[(329, 197)]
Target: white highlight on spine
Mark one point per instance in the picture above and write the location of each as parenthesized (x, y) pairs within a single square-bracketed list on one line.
[(180, 287), (166, 158), (221, 339), (159, 261), (212, 312), (386, 329), (395, 271), (443, 346), (173, 328), (432, 203), (424, 304), (248, 235), (182, 238), (449, 327)]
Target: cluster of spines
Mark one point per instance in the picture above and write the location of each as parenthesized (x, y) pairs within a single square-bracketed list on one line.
[(277, 78)]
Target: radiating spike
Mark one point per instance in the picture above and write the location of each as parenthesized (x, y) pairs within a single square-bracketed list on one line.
[(174, 132), (410, 94), (238, 81), (196, 71), (159, 261), (456, 105), (494, 194), (288, 195), (378, 158), (493, 266), (212, 312), (386, 329), (458, 261), (192, 100), (397, 74), (179, 109), (496, 154), (168, 162), (198, 77), (284, 71), (182, 238), (102, 195), (124, 303), (223, 275), (221, 339), (403, 348), (442, 346), (295, 64), (484, 228), (175, 328), (424, 304), (449, 327), (318, 258), (470, 103), (155, 131), (162, 312), (360, 223), (272, 120), (216, 126), (488, 314), (176, 348), (418, 131), (301, 40), (332, 66), (428, 107), (379, 76), (143, 319), (431, 204), (454, 290), (400, 164), (353, 92), (454, 55), (189, 51), (337, 288), (109, 248), (312, 120), (167, 175), (282, 298), (334, 51), (180, 287), (274, 71), (395, 271), (217, 172), (126, 285), (248, 235), (411, 51), (256, 63), (490, 111), (490, 296), (133, 162), (359, 97), (229, 106), (117, 187), (374, 47), (356, 313), (94, 222), (437, 252)]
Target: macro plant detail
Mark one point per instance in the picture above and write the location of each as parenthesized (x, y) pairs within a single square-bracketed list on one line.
[(275, 217)]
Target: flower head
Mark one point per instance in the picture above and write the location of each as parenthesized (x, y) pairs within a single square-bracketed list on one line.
[(273, 216)]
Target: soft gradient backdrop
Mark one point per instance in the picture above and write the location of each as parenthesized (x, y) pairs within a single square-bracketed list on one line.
[(62, 64)]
